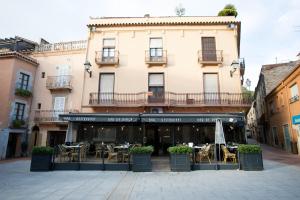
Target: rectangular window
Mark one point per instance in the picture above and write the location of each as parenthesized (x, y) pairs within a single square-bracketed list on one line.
[(156, 47), (39, 105), (23, 81), (108, 48), (156, 87), (294, 91), (43, 74), (209, 49), (19, 111), (106, 86), (58, 106), (272, 107)]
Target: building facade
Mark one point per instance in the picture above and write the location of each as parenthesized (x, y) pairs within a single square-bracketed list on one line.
[(155, 81), (270, 76), (282, 105), (16, 83)]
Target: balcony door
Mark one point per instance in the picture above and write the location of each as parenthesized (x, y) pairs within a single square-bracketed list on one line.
[(62, 73), (211, 88), (156, 88), (156, 49), (58, 107), (106, 87), (108, 53), (209, 49)]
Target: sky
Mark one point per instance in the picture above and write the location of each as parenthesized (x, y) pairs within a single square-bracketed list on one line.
[(270, 28)]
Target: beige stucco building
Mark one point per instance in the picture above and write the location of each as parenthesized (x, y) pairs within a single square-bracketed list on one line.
[(143, 76)]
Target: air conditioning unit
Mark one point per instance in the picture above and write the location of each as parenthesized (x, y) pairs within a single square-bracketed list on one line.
[(156, 110)]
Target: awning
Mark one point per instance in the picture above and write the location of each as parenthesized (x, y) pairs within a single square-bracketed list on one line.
[(154, 118), (100, 117), (192, 118)]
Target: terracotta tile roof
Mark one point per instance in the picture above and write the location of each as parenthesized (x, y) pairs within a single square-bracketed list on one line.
[(7, 54), (165, 20)]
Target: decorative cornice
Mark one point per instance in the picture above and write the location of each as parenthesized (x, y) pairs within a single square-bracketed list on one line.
[(14, 54)]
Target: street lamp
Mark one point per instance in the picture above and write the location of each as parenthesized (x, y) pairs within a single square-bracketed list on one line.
[(235, 64), (87, 67)]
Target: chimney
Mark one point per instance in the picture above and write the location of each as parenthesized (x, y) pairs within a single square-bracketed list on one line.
[(147, 15)]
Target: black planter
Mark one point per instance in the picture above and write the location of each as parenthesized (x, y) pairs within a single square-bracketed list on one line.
[(141, 163), (251, 161), (41, 162), (180, 162)]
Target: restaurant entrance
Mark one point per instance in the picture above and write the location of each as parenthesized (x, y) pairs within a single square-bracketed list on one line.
[(160, 138)]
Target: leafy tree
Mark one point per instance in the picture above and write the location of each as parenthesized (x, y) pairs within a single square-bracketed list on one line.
[(228, 10)]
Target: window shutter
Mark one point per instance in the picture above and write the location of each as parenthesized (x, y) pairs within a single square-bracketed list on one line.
[(211, 83), (109, 42), (156, 43), (156, 80)]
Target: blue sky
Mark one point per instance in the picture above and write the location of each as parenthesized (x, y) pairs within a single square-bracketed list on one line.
[(270, 28)]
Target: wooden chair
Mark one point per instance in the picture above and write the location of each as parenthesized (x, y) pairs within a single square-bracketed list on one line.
[(228, 155), (62, 152), (204, 154), (111, 153)]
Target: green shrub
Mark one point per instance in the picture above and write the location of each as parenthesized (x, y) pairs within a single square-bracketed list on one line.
[(228, 10), (42, 150), (249, 148), (141, 150), (18, 123), (23, 93), (181, 149)]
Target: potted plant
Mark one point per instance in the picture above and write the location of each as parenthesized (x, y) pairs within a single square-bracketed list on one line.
[(141, 158), (180, 158), (23, 92), (250, 157), (41, 159), (17, 123)]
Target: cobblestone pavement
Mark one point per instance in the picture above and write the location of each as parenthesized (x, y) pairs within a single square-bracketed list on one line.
[(279, 180)]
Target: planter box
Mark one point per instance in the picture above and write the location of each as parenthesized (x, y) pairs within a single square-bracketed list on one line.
[(180, 162), (141, 163), (251, 161), (41, 162)]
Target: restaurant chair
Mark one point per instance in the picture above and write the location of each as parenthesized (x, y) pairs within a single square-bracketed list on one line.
[(111, 153), (228, 155), (62, 153), (204, 154)]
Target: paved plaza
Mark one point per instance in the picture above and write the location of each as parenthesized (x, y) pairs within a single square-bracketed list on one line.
[(279, 180)]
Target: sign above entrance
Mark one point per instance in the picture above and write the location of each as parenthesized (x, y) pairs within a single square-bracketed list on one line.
[(296, 119), (205, 118), (100, 118)]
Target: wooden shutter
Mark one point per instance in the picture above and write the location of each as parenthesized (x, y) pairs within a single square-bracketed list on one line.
[(209, 49)]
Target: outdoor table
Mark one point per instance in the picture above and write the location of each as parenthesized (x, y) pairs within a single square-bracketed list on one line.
[(120, 150), (73, 147)]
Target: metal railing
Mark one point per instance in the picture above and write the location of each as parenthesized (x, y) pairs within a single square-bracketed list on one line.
[(21, 86), (107, 60), (170, 99), (51, 115), (210, 56), (59, 82), (62, 46), (157, 59)]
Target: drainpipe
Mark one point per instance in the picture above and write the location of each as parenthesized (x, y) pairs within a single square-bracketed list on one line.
[(84, 74)]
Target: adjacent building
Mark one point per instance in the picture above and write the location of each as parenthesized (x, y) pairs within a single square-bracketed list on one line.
[(283, 105), (17, 76)]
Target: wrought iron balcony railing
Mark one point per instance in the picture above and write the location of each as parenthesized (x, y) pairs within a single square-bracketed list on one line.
[(170, 99), (112, 59), (210, 57), (59, 82), (49, 116), (157, 58)]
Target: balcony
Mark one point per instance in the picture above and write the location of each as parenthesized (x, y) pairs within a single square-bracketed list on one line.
[(210, 57), (50, 116), (19, 123), (111, 60), (160, 59), (169, 99), (59, 83), (63, 46)]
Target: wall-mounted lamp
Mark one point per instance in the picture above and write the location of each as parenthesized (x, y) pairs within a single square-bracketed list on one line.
[(235, 64), (87, 67)]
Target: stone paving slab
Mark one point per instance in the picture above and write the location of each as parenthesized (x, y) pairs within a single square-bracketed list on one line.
[(277, 181)]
